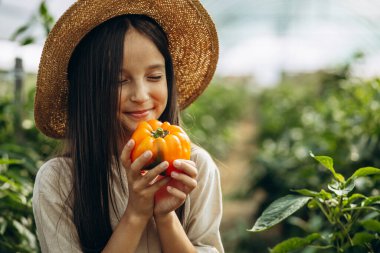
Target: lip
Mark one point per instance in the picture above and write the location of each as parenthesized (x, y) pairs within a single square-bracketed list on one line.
[(140, 114)]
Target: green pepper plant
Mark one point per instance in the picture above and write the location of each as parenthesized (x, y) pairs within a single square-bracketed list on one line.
[(353, 219), (17, 227)]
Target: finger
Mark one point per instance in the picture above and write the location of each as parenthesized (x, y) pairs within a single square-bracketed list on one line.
[(176, 193), (187, 167), (159, 184), (139, 163), (191, 162), (152, 186), (153, 173), (126, 153), (189, 182)]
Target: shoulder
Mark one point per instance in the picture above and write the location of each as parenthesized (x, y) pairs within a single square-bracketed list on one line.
[(203, 161), (52, 207), (199, 155), (205, 199), (54, 175)]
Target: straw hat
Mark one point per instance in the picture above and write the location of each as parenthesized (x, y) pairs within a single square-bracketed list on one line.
[(193, 44)]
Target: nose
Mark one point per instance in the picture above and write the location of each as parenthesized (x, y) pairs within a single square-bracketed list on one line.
[(139, 93)]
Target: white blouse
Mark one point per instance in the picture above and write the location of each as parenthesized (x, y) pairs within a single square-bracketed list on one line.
[(53, 214)]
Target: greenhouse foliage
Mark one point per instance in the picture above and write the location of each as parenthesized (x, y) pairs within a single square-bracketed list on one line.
[(329, 113)]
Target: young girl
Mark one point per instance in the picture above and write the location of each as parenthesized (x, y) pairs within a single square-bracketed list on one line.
[(106, 66)]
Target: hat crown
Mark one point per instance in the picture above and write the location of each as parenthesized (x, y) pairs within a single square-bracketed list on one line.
[(193, 44)]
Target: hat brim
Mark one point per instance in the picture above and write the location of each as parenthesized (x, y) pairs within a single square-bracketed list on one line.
[(193, 44)]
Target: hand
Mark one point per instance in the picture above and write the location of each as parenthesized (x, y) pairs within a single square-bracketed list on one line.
[(142, 188), (173, 194)]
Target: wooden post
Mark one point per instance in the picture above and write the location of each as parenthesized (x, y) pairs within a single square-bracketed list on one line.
[(18, 99)]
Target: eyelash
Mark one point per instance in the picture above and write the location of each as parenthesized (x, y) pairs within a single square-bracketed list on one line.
[(152, 78), (155, 78), (125, 81)]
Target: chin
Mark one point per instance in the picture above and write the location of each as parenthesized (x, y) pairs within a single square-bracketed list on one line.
[(131, 127)]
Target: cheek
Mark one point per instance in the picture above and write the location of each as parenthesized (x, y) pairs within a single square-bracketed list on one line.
[(163, 94), (122, 95)]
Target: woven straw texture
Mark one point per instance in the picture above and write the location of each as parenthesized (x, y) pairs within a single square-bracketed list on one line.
[(193, 44)]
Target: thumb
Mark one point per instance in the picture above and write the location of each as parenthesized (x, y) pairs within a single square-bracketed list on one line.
[(126, 153)]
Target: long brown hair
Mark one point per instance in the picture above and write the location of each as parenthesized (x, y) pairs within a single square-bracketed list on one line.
[(94, 130)]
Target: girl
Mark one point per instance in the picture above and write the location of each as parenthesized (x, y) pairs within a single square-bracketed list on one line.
[(106, 66)]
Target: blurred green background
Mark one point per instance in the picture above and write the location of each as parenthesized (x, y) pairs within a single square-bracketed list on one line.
[(260, 137)]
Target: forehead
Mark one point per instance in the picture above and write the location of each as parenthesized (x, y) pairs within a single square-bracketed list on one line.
[(140, 49)]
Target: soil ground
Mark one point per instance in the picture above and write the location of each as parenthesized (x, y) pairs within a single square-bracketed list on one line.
[(235, 177)]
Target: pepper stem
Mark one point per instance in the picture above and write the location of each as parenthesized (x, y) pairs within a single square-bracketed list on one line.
[(160, 133)]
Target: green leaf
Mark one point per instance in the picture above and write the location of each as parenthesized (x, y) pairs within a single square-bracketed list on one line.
[(295, 243), (3, 225), (10, 161), (355, 196), (328, 163), (337, 188), (19, 31), (278, 211), (26, 41), (325, 195), (24, 231), (9, 183), (366, 171), (312, 204), (362, 238), (371, 225), (371, 200), (306, 192), (43, 9), (47, 18)]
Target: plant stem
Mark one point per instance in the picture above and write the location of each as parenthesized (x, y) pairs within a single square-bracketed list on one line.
[(321, 246), (320, 205), (369, 248), (361, 208), (345, 230), (346, 233)]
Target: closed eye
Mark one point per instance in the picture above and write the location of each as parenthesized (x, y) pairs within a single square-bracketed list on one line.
[(124, 81), (155, 78)]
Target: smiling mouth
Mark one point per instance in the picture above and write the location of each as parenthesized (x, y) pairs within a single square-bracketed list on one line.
[(139, 114)]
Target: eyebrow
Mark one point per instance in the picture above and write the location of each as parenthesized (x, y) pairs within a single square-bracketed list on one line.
[(150, 67), (156, 66)]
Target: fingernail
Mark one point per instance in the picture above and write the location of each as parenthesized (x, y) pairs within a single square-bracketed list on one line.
[(147, 154), (164, 165), (176, 163), (130, 143), (174, 174)]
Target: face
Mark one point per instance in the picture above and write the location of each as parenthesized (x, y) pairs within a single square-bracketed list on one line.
[(143, 90)]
